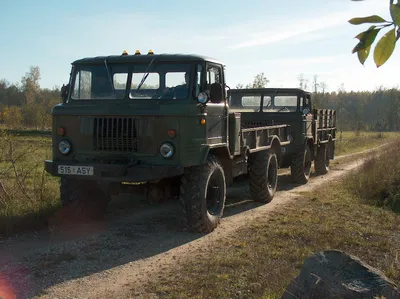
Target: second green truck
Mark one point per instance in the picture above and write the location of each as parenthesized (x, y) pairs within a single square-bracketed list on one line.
[(313, 131)]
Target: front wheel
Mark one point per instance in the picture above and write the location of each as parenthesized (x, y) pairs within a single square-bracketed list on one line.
[(202, 196)]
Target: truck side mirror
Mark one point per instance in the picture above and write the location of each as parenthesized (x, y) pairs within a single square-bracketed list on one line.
[(64, 92), (216, 93)]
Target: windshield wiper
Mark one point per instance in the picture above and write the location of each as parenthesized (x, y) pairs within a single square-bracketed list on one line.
[(109, 75), (145, 75)]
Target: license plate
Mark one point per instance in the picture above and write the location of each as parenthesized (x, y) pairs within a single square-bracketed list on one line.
[(75, 170)]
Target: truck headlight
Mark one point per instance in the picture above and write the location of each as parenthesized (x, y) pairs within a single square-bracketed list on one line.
[(166, 150), (64, 147)]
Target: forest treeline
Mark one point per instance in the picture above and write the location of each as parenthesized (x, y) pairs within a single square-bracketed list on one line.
[(26, 105)]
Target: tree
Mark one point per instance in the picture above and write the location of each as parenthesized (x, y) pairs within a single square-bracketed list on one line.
[(260, 81), (303, 83), (323, 86), (239, 86), (30, 84), (31, 89), (315, 84), (386, 45)]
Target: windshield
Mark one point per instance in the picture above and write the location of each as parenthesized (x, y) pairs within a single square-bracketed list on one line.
[(285, 103), (277, 103), (110, 81)]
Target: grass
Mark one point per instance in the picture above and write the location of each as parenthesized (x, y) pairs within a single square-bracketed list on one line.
[(27, 193), (378, 182), (260, 260), (33, 195), (350, 142)]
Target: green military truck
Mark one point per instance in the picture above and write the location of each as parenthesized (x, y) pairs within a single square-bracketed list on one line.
[(313, 131), (163, 121)]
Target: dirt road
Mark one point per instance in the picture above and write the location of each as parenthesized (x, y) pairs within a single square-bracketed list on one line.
[(134, 242)]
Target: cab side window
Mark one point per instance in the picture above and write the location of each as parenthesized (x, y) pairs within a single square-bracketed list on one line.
[(213, 75)]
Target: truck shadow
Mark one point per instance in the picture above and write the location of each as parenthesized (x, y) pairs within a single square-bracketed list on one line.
[(133, 230), (239, 200)]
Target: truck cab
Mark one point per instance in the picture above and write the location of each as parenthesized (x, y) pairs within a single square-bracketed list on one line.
[(137, 110)]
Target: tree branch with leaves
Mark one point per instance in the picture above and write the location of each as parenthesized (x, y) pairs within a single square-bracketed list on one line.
[(386, 45)]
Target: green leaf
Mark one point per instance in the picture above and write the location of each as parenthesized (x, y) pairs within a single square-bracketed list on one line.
[(363, 54), (395, 13), (369, 19), (360, 36), (385, 47), (366, 38)]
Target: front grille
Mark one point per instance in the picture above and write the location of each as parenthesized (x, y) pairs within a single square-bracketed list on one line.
[(117, 134)]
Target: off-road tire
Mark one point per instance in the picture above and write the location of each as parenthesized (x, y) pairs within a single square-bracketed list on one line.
[(300, 168), (83, 200), (263, 176), (321, 163), (193, 196), (331, 150)]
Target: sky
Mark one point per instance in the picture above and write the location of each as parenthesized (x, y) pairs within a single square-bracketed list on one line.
[(280, 38)]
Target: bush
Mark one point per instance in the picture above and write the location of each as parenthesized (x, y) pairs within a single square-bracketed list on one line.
[(12, 117)]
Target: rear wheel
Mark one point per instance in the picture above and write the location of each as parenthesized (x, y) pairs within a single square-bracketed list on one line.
[(263, 176), (83, 200), (321, 163), (331, 150), (202, 196), (301, 166)]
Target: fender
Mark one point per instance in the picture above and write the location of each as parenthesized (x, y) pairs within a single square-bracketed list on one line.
[(220, 150), (277, 148)]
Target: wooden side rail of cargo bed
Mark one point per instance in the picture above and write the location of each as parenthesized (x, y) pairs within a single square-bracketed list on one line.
[(325, 118), (325, 125), (323, 135), (260, 138)]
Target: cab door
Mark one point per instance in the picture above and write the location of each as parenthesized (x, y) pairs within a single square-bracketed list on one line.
[(217, 113)]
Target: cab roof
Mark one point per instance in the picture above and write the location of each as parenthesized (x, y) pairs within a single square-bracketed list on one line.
[(146, 58), (268, 90)]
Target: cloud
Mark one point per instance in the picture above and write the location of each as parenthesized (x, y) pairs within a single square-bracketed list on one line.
[(297, 61), (307, 27), (297, 28)]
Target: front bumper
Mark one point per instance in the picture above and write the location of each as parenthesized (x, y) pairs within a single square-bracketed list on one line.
[(118, 173)]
